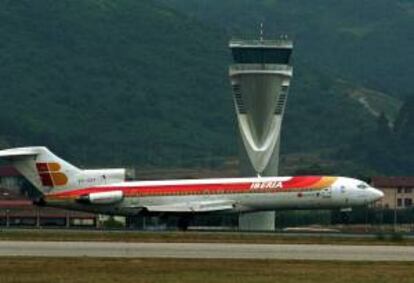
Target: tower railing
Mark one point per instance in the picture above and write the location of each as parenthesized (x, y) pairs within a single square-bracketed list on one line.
[(286, 43), (237, 68)]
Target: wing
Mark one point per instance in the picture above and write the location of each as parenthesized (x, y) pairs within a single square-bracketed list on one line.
[(195, 206)]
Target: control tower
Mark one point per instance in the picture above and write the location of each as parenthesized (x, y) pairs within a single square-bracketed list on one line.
[(260, 78)]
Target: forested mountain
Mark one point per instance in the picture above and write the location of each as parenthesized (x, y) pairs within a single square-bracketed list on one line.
[(138, 83), (112, 82), (368, 42)]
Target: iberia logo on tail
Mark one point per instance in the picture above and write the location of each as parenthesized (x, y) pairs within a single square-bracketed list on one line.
[(50, 174)]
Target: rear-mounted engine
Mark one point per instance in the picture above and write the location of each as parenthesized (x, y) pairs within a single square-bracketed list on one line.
[(102, 197)]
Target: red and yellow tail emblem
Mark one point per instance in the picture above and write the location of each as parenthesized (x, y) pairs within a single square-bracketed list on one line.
[(50, 174)]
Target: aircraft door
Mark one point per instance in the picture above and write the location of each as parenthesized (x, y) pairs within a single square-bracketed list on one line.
[(326, 193)]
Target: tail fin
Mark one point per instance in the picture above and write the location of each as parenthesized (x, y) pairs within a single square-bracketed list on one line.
[(49, 173), (42, 168)]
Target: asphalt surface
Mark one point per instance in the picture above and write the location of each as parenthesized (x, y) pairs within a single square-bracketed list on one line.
[(206, 251)]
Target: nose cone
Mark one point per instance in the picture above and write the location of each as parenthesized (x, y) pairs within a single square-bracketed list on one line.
[(376, 194)]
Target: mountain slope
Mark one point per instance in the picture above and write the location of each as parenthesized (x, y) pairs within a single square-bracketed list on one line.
[(368, 42), (119, 82), (358, 49), (128, 82)]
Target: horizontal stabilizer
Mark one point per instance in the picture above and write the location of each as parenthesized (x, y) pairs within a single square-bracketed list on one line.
[(19, 152), (198, 206), (46, 171)]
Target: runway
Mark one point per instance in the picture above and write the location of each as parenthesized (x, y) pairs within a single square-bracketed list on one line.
[(206, 251)]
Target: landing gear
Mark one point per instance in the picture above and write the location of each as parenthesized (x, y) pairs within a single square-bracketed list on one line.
[(184, 222), (345, 217)]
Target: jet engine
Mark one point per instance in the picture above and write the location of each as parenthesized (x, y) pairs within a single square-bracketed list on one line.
[(110, 197)]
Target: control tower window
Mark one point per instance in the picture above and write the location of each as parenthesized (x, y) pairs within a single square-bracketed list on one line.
[(261, 55)]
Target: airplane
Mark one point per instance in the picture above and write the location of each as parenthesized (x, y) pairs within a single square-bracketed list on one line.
[(106, 191)]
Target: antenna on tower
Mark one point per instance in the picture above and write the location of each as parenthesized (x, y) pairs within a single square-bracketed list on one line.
[(261, 31)]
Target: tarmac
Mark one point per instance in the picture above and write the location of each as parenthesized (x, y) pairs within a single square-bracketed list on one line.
[(206, 251)]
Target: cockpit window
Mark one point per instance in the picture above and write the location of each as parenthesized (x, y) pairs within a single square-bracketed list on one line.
[(362, 186)]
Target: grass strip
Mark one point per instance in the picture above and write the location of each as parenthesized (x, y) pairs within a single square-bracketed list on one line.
[(93, 270)]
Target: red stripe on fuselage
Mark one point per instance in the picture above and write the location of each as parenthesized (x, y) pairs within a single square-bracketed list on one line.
[(301, 182), (161, 190), (177, 189)]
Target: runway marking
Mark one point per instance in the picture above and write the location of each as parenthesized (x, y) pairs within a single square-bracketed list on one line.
[(206, 251)]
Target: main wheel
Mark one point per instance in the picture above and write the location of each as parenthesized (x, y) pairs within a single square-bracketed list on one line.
[(184, 222)]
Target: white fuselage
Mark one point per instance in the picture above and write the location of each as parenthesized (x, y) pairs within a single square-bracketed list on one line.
[(104, 191), (244, 195)]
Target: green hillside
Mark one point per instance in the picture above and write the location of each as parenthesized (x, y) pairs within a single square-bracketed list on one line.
[(136, 83), (112, 82), (388, 150), (368, 42), (358, 49)]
